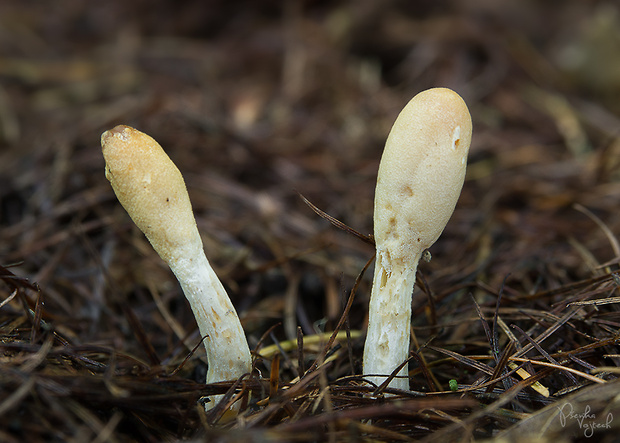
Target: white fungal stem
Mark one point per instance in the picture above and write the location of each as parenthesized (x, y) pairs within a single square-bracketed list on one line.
[(224, 339), (389, 321)]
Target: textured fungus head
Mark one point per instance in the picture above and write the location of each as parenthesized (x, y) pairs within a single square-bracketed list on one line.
[(422, 172), (150, 188)]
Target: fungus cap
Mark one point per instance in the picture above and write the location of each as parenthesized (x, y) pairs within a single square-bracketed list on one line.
[(421, 172), (151, 189)]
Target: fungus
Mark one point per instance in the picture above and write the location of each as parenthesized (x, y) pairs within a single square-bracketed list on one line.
[(152, 190), (421, 174)]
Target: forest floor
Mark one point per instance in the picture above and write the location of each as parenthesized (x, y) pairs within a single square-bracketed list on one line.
[(515, 326)]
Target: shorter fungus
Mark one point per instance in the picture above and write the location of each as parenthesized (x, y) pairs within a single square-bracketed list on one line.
[(152, 191)]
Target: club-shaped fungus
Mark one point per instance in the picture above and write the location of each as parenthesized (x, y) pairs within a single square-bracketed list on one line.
[(420, 178), (152, 191)]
